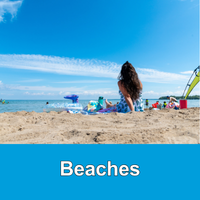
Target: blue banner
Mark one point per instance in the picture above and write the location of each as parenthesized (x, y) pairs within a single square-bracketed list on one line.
[(38, 172)]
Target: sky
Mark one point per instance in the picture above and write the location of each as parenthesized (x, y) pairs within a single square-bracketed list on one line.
[(52, 48)]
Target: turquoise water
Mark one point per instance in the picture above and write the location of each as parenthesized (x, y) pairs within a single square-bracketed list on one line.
[(37, 105)]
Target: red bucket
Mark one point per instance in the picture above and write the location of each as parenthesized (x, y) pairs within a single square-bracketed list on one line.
[(183, 103)]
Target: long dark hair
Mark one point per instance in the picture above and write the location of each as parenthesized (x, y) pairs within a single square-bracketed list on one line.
[(129, 79)]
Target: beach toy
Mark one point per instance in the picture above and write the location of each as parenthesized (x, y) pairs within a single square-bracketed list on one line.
[(176, 108), (73, 97), (183, 103), (155, 105), (159, 106), (100, 100), (93, 106), (70, 107), (73, 107), (169, 105), (173, 105)]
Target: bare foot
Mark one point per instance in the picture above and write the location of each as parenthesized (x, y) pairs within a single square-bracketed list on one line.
[(108, 105)]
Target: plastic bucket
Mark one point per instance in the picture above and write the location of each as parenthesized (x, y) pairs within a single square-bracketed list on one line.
[(183, 103)]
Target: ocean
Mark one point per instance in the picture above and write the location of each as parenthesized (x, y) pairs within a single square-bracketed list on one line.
[(38, 105)]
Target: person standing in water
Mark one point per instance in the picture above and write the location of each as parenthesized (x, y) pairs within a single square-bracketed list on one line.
[(130, 90), (147, 103)]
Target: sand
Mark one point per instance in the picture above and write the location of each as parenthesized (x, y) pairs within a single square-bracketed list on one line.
[(151, 127)]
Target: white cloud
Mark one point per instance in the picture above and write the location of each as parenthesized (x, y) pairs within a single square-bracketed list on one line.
[(152, 75), (61, 65), (177, 93), (2, 86), (88, 92), (72, 66), (187, 72), (11, 7), (40, 88), (84, 81), (99, 92), (150, 93), (30, 81), (47, 90), (39, 94)]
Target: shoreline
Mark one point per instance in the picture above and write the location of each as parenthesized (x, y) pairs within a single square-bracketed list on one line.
[(166, 126), (145, 109)]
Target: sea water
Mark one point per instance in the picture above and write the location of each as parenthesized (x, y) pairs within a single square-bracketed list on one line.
[(38, 105)]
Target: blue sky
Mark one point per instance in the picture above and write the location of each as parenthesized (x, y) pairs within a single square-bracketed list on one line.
[(52, 48)]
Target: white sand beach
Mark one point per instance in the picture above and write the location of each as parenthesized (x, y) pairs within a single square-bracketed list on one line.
[(151, 127)]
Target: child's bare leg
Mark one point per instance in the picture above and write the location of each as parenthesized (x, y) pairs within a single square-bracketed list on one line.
[(108, 105)]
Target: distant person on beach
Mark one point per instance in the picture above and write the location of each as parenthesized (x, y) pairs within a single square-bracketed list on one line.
[(171, 99), (164, 104), (130, 90), (147, 102), (47, 103)]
